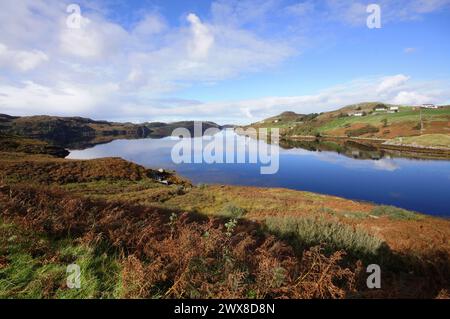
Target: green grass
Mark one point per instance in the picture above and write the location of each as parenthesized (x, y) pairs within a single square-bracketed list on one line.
[(35, 267), (377, 119), (306, 232), (356, 215), (395, 213)]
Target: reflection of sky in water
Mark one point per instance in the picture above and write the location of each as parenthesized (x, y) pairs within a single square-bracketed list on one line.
[(420, 185)]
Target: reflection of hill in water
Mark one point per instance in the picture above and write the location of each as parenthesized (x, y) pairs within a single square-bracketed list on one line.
[(83, 142), (347, 148)]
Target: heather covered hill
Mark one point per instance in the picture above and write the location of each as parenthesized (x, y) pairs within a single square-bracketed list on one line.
[(78, 132)]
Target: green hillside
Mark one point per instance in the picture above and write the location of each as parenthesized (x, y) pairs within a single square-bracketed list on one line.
[(404, 121)]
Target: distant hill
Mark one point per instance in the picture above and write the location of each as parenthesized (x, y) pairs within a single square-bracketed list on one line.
[(75, 132), (368, 119)]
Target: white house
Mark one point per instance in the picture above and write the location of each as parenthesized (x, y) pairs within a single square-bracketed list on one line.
[(357, 114), (430, 106), (394, 109)]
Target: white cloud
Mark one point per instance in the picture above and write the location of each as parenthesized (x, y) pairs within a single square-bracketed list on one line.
[(94, 39), (63, 99), (109, 100), (21, 60), (243, 111), (412, 98), (104, 70), (29, 23), (150, 25), (150, 59), (246, 112), (202, 38), (392, 82)]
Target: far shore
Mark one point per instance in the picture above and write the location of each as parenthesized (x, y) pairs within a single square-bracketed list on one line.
[(380, 144)]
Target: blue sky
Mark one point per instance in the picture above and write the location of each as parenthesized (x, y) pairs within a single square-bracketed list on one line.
[(228, 61)]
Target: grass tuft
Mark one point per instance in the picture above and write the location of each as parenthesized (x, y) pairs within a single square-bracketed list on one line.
[(395, 213), (307, 232), (233, 211)]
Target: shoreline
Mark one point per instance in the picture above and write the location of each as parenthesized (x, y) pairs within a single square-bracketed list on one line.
[(381, 144)]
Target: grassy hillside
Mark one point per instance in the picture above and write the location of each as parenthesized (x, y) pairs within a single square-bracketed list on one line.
[(384, 121), (379, 124), (134, 237)]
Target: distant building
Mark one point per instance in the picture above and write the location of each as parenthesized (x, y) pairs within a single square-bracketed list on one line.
[(430, 106), (357, 114), (394, 109), (380, 108)]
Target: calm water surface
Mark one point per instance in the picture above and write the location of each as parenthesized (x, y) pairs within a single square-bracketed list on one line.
[(420, 185)]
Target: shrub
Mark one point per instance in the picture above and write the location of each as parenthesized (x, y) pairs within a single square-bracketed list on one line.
[(233, 211), (307, 232)]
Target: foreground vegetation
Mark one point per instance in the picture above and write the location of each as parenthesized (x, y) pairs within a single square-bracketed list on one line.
[(135, 237)]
